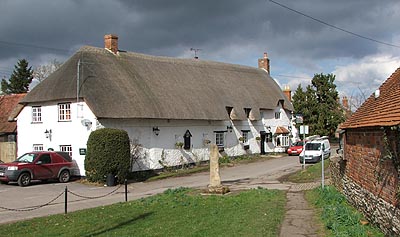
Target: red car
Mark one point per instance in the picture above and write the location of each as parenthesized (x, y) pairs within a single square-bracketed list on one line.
[(41, 165), (296, 148)]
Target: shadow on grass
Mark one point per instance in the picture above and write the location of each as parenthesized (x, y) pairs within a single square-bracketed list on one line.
[(119, 225)]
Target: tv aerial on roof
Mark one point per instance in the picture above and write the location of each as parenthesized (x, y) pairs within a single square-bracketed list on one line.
[(195, 52)]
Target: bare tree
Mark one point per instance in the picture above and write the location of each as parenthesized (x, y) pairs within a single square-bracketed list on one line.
[(357, 99), (43, 71)]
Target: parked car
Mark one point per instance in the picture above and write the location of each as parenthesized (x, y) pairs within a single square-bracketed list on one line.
[(41, 165), (314, 149), (296, 148)]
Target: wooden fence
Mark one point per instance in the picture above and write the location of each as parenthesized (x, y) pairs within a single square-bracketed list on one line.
[(8, 151)]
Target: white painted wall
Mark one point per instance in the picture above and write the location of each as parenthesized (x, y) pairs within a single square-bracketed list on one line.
[(153, 148), (63, 133)]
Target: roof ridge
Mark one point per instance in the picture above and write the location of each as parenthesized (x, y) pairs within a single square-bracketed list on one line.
[(157, 58)]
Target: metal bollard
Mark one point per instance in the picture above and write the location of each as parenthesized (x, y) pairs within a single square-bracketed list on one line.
[(66, 200)]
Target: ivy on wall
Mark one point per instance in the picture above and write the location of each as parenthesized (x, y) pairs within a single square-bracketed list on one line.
[(391, 145)]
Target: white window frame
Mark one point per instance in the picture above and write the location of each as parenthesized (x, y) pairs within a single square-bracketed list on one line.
[(37, 147), (64, 112), (283, 140), (245, 135), (36, 114), (220, 139), (66, 148)]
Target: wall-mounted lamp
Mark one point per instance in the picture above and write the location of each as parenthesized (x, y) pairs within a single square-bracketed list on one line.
[(229, 128), (48, 133), (289, 128), (156, 131), (268, 128)]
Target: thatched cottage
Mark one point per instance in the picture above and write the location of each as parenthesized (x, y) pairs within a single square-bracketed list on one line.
[(172, 107)]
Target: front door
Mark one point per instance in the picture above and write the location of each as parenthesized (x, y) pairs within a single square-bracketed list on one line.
[(262, 145)]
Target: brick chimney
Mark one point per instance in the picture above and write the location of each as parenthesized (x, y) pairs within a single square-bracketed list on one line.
[(264, 63), (287, 92), (111, 43), (345, 103)]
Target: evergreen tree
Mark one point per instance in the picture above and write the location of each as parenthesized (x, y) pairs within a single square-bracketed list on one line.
[(319, 105), (20, 79)]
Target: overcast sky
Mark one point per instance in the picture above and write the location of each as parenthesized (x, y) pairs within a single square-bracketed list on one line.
[(232, 31)]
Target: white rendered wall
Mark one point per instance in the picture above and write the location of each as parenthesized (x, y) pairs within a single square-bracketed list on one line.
[(154, 149), (63, 133)]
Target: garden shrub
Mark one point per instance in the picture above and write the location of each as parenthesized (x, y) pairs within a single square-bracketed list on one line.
[(108, 152)]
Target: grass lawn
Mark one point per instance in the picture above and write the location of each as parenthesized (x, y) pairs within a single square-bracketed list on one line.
[(339, 217), (310, 174), (179, 212)]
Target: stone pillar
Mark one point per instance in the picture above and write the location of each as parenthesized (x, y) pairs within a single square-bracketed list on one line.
[(215, 179)]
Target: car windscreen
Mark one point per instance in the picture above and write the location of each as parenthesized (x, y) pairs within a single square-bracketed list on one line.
[(313, 146), (26, 158), (298, 144)]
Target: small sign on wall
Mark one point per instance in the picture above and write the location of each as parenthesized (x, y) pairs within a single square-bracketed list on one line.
[(82, 151)]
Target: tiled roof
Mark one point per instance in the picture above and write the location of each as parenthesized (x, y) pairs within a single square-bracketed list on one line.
[(281, 130), (8, 103), (381, 111)]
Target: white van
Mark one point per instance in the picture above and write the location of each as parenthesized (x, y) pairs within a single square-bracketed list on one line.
[(313, 150)]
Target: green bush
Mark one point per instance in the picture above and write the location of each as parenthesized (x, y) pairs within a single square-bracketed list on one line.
[(108, 152)]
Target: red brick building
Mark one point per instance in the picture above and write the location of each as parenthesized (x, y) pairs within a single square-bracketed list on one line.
[(368, 173)]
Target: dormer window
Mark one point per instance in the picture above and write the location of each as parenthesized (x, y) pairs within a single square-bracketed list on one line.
[(229, 110), (247, 112), (277, 115)]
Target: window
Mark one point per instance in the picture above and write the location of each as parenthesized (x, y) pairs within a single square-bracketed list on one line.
[(45, 159), (36, 114), (229, 110), (282, 140), (66, 148), (64, 112), (37, 147), (219, 139), (245, 135), (277, 115), (247, 112)]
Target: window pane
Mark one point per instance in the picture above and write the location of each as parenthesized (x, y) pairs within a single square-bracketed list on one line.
[(64, 112), (36, 114), (219, 139), (37, 147), (66, 148)]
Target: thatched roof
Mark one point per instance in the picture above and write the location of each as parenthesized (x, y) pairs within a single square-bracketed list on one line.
[(132, 85)]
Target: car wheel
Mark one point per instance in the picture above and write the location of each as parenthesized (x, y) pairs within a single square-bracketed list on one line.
[(24, 179), (64, 176)]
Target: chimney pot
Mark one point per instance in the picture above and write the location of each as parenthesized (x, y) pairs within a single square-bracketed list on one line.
[(263, 63), (111, 43)]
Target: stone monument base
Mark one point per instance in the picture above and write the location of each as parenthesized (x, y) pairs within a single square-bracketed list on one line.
[(218, 189)]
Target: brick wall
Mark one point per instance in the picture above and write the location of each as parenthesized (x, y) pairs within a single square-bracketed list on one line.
[(369, 184), (363, 151)]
